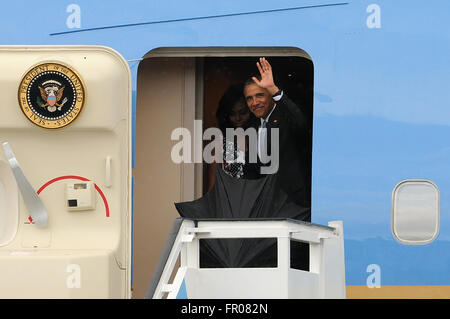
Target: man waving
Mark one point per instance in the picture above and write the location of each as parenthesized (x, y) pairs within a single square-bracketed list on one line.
[(280, 116)]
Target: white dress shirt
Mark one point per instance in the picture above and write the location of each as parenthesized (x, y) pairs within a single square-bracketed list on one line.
[(262, 131)]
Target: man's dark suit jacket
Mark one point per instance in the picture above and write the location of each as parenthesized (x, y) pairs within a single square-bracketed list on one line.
[(293, 160)]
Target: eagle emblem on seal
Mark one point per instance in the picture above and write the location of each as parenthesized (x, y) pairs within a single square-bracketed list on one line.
[(51, 93)]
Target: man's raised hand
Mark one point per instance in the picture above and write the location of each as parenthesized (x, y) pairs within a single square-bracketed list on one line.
[(266, 81)]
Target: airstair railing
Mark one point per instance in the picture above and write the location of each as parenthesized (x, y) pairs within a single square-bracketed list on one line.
[(326, 251)]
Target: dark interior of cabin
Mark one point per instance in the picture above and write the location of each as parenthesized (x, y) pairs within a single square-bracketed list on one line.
[(292, 74)]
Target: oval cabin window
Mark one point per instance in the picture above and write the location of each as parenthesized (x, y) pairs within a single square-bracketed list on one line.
[(415, 212)]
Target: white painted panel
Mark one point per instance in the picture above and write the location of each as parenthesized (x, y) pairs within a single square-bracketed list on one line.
[(50, 158), (9, 211)]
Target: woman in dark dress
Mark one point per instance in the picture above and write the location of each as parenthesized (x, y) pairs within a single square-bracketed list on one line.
[(233, 113)]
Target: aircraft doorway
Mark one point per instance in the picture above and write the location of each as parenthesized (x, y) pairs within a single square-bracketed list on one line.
[(174, 88)]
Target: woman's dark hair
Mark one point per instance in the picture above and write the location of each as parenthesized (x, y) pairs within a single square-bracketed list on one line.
[(233, 95)]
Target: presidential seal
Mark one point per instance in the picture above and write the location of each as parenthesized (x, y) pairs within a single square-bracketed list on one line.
[(51, 95)]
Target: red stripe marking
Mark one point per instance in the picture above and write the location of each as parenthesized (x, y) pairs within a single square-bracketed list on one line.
[(79, 178)]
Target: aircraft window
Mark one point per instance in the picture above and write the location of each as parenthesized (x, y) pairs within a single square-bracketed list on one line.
[(415, 212)]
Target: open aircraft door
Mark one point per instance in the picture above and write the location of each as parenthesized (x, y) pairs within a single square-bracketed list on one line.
[(65, 173)]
